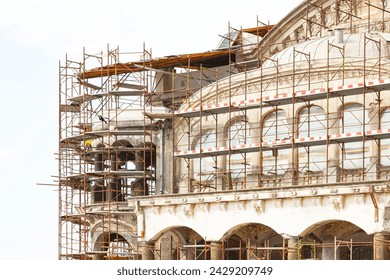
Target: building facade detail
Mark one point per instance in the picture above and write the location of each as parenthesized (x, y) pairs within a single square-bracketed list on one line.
[(276, 145)]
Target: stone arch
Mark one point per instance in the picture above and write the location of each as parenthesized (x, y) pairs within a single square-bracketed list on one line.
[(299, 113), (311, 122), (178, 243), (237, 132), (275, 127), (352, 118), (119, 147), (321, 240), (115, 245), (250, 240), (341, 108), (205, 165), (232, 121), (198, 137)]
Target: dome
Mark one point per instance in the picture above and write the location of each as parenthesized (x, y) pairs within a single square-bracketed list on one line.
[(353, 45)]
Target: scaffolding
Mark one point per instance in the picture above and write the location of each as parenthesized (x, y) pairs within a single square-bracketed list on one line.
[(288, 146), (104, 156), (252, 250), (266, 130)]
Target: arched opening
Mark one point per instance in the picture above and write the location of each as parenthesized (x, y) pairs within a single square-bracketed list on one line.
[(140, 158), (115, 246), (238, 133), (180, 243), (335, 240), (354, 118), (203, 168), (253, 242), (275, 162), (312, 159)]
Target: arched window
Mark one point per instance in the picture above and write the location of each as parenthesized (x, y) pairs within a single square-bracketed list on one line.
[(238, 133), (312, 123), (385, 143), (353, 118), (202, 167), (275, 127)]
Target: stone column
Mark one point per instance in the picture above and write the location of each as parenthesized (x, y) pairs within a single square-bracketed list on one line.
[(222, 176), (215, 250), (373, 151), (112, 186), (292, 153), (147, 251), (292, 251), (333, 150), (381, 247), (98, 188)]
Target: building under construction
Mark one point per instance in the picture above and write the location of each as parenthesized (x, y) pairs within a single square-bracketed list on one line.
[(274, 145)]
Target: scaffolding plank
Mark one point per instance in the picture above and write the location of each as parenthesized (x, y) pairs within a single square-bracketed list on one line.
[(100, 133), (88, 97), (89, 135), (79, 137), (286, 98), (121, 173), (86, 84), (129, 86), (114, 150), (153, 116), (83, 98), (120, 93), (70, 108), (286, 144)]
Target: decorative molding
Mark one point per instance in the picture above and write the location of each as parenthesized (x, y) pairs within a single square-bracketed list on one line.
[(259, 206), (360, 198), (172, 209), (156, 210), (222, 206), (278, 203), (298, 202), (241, 205), (293, 194), (188, 210), (317, 201), (337, 202), (205, 207), (379, 188)]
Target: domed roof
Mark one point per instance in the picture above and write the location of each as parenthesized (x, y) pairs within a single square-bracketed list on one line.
[(353, 45)]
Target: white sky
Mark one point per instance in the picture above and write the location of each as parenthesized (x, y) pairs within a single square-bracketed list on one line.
[(34, 36)]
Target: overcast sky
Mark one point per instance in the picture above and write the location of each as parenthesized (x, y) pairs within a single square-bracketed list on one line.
[(34, 36)]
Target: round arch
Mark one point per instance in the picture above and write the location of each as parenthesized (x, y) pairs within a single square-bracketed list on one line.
[(335, 239), (115, 245), (253, 241), (178, 243)]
